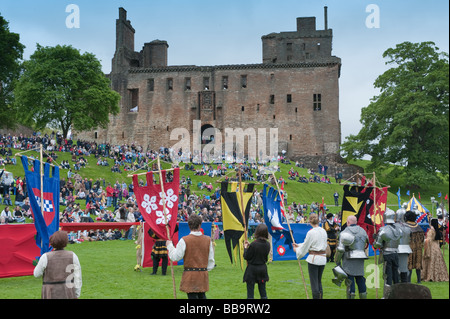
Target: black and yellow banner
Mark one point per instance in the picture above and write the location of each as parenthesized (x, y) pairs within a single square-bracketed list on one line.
[(234, 227), (355, 200)]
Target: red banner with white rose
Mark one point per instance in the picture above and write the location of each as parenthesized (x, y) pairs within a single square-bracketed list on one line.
[(150, 201)]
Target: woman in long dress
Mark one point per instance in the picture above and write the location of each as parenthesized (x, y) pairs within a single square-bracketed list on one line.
[(434, 267)]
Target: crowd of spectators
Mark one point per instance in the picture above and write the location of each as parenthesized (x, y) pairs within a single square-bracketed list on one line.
[(102, 201)]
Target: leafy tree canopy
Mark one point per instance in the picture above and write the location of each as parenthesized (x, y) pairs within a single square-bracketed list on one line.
[(63, 88), (11, 52), (408, 122)]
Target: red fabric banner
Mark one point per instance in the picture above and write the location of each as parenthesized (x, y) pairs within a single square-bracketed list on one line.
[(147, 247), (150, 202), (18, 250), (94, 226)]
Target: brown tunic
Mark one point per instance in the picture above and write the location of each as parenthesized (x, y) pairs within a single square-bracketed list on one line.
[(56, 284), (195, 276), (416, 244)]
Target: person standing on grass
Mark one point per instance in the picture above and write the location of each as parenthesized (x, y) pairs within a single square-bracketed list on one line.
[(197, 251), (60, 269), (315, 244), (256, 255)]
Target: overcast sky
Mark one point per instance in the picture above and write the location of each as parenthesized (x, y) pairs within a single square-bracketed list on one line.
[(201, 32)]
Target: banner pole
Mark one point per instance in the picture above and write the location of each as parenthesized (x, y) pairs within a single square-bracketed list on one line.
[(42, 180), (167, 226), (242, 205), (375, 231), (41, 173), (292, 235)]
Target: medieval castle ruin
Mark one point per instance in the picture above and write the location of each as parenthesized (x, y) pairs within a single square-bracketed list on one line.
[(294, 89)]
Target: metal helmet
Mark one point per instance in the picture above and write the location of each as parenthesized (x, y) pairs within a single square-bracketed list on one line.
[(340, 276), (400, 215), (389, 216), (346, 238), (404, 205)]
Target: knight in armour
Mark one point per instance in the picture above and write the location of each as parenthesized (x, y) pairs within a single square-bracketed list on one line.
[(387, 239), (350, 256), (404, 248)]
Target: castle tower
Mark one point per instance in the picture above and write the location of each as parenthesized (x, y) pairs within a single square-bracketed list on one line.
[(304, 45)]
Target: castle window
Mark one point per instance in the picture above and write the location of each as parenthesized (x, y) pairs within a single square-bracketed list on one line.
[(187, 84), (95, 135), (272, 99), (206, 83), (225, 82), (289, 56), (243, 81), (290, 137), (242, 109), (289, 98), (134, 100), (274, 116), (317, 102), (150, 85), (318, 46), (296, 110), (257, 107), (169, 84)]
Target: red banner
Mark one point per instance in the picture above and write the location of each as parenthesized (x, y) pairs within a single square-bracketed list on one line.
[(150, 202), (18, 250), (147, 246)]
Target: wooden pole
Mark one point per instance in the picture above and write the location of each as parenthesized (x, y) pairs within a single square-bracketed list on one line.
[(292, 236), (161, 182), (145, 173), (41, 164), (375, 230), (41, 168), (242, 205)]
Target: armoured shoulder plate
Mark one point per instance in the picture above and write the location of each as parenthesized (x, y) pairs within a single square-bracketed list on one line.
[(388, 238), (403, 246), (354, 249)]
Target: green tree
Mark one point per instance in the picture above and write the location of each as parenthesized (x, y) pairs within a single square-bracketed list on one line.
[(11, 52), (62, 88), (407, 124)]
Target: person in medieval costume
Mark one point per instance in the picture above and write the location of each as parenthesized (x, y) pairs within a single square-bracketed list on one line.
[(197, 252), (442, 227), (159, 254), (387, 239), (434, 267), (416, 245), (331, 227), (60, 269), (404, 248), (351, 254)]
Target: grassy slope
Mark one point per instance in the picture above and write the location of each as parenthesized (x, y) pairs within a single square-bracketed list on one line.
[(108, 266), (108, 274)]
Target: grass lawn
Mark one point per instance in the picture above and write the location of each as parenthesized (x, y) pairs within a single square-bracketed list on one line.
[(108, 273), (108, 267)]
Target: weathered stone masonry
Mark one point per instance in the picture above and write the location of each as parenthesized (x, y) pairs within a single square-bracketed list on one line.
[(294, 89)]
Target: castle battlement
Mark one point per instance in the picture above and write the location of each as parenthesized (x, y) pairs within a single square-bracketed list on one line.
[(295, 89)]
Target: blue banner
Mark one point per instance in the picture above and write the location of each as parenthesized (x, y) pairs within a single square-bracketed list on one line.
[(46, 221)]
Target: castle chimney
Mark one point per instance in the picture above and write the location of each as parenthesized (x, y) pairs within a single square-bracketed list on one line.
[(325, 9)]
